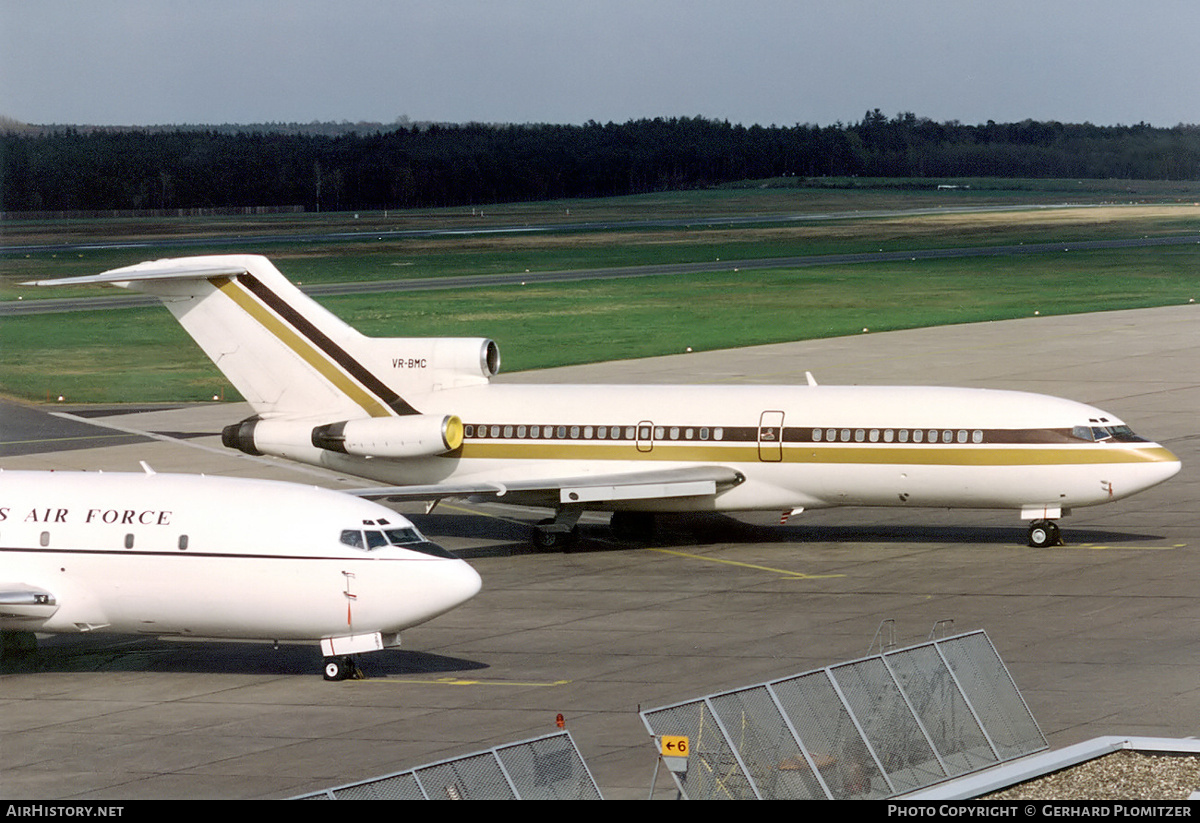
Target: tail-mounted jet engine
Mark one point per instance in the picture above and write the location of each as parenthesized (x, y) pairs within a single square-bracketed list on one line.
[(417, 435)]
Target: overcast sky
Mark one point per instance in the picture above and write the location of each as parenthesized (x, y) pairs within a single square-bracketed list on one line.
[(146, 62)]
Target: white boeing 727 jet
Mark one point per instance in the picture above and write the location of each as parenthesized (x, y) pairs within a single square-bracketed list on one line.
[(187, 556), (422, 416)]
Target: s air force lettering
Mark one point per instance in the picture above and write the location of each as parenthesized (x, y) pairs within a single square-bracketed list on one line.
[(124, 517)]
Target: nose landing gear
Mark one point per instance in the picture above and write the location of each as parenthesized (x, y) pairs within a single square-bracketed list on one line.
[(1043, 534), (341, 668)]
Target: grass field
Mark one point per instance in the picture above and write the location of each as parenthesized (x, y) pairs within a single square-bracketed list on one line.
[(141, 355)]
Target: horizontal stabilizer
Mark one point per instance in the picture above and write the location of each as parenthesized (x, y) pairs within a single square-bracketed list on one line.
[(173, 269)]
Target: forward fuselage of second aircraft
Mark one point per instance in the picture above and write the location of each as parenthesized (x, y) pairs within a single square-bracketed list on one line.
[(197, 556)]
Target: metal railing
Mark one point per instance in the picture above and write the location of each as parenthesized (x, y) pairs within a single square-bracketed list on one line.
[(870, 728), (544, 768)]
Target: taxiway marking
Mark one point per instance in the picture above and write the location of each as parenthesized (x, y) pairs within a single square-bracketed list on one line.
[(459, 681), (784, 572), (1137, 548)]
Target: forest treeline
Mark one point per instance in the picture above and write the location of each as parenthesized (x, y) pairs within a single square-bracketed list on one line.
[(445, 165)]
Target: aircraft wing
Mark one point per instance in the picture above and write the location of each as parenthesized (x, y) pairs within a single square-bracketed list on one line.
[(688, 481), (24, 600)]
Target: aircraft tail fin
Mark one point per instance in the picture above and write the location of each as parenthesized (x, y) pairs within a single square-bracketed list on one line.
[(289, 356)]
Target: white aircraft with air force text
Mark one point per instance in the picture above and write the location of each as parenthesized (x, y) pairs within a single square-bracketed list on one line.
[(189, 556), (422, 416)]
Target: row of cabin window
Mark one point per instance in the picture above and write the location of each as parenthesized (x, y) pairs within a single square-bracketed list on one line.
[(595, 432), (44, 540), (897, 435)]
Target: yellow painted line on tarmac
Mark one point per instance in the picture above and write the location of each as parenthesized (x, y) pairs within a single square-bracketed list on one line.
[(480, 512), (68, 439), (784, 572), (1098, 547), (463, 681)]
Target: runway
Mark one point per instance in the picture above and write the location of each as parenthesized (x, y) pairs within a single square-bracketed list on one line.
[(47, 305), (461, 225), (1102, 636)]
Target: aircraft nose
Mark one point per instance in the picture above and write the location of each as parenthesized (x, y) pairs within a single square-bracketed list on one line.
[(1171, 465), (1161, 465), (460, 582)]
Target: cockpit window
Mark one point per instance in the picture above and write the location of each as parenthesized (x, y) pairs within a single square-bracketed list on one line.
[(399, 537), (404, 536), (1100, 434)]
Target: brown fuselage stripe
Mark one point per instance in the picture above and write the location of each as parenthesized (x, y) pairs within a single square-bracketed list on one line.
[(768, 436)]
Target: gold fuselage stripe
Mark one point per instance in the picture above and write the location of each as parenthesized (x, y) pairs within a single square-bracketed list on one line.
[(931, 455)]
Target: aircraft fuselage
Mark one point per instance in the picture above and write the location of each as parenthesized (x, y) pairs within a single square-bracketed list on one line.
[(797, 446)]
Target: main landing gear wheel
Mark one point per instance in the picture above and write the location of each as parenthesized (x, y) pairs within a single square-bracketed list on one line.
[(341, 668), (1044, 533), (548, 539)]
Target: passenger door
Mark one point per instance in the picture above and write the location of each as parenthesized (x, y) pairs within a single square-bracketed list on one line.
[(770, 437)]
